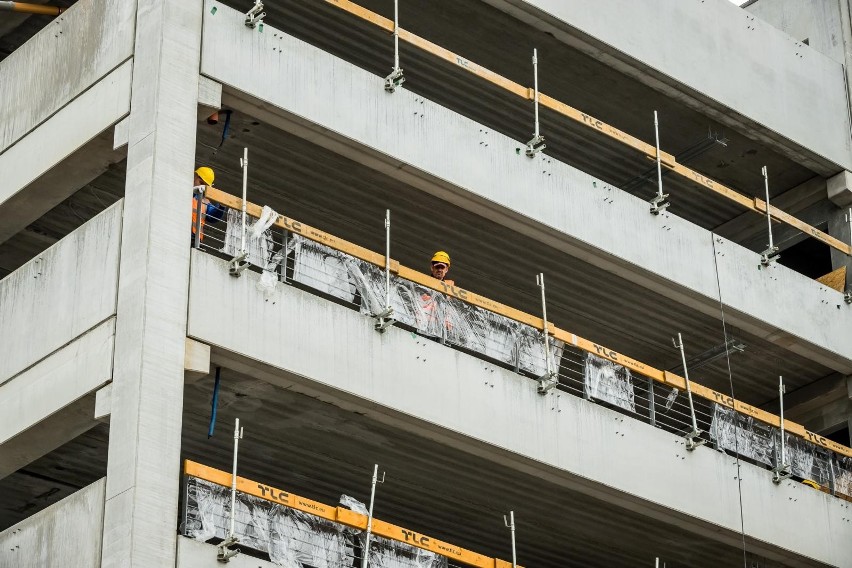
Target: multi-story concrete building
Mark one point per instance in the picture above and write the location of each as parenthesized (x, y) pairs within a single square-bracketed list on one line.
[(130, 343)]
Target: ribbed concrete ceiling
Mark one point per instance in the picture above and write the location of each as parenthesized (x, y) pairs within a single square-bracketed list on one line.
[(319, 451)]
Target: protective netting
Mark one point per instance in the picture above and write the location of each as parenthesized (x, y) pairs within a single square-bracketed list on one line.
[(291, 538), (427, 311), (737, 432), (842, 466), (609, 382)]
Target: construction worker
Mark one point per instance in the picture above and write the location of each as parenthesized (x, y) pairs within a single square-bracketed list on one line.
[(210, 212), (440, 267)]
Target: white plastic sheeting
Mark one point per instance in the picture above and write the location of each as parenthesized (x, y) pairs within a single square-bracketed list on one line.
[(609, 382), (292, 538), (737, 432), (805, 459), (427, 311), (842, 466), (258, 237)]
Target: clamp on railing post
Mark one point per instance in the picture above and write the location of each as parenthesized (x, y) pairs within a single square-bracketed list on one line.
[(396, 78), (769, 255), (660, 202), (254, 17), (536, 144), (693, 438), (782, 470), (549, 379), (238, 264), (224, 552), (510, 524), (384, 318), (366, 556)]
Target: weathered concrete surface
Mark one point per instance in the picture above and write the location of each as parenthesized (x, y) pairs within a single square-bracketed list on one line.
[(194, 554), (143, 470), (55, 140), (67, 533), (72, 372), (448, 396), (818, 21), (704, 54), (547, 200), (72, 52), (62, 293)]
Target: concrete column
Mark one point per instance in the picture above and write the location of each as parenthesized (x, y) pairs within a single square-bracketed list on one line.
[(839, 190), (147, 396)]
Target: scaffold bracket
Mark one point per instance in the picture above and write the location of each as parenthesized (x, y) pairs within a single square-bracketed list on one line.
[(535, 145), (384, 319), (394, 80), (254, 17), (769, 256), (659, 203), (781, 472), (224, 552), (694, 440), (237, 265), (546, 382)]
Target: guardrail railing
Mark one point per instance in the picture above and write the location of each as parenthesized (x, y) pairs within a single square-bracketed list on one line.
[(649, 150), (352, 275), (296, 531)]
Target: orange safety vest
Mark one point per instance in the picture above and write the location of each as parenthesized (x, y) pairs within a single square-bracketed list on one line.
[(430, 307), (195, 216)]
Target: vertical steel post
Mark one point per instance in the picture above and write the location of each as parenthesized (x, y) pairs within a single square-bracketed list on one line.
[(387, 261), (770, 255), (510, 524), (238, 434), (548, 381), (782, 469), (659, 203), (396, 78), (692, 438), (537, 144), (652, 404), (366, 556), (244, 164)]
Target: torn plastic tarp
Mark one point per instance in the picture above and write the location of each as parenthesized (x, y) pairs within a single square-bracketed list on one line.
[(737, 432), (805, 459), (431, 313), (386, 553), (843, 475), (291, 538), (610, 382), (259, 242)]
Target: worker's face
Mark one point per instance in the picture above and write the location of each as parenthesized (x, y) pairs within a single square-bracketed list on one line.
[(439, 270), (198, 180)]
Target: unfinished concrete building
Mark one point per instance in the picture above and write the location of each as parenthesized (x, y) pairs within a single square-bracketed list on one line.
[(644, 356)]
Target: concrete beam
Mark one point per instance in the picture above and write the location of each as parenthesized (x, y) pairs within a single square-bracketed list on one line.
[(63, 154), (67, 533), (664, 253), (196, 361), (143, 467), (454, 397), (49, 434), (675, 48), (64, 292), (56, 66), (72, 372)]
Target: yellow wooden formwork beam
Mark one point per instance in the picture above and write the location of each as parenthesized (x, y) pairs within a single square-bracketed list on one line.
[(588, 121), (342, 516), (665, 377)]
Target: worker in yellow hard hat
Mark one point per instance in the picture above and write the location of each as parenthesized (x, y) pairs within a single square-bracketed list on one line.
[(210, 212), (440, 267)]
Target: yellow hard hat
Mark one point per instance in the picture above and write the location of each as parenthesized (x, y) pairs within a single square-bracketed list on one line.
[(206, 174), (441, 256)]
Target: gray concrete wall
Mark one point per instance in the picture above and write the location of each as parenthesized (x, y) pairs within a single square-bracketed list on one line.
[(718, 54), (816, 20), (552, 202), (194, 554), (563, 438), (72, 52), (67, 533), (59, 295)]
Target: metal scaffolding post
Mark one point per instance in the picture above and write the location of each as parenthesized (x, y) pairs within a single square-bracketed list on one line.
[(396, 78), (510, 524), (770, 255), (693, 438), (384, 318), (238, 264), (536, 144), (549, 379), (660, 202), (782, 469), (224, 552), (365, 557)]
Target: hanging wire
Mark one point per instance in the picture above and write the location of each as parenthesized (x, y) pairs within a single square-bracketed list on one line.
[(733, 396)]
